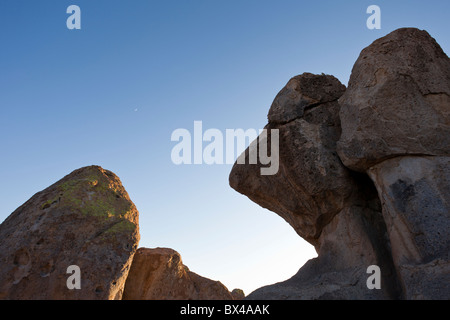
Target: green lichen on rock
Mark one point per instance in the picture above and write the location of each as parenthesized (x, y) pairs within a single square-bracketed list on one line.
[(80, 195), (98, 196), (85, 219), (94, 195), (98, 208), (48, 203), (123, 226)]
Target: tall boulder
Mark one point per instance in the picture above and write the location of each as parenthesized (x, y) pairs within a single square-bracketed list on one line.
[(395, 119), (86, 220), (159, 274)]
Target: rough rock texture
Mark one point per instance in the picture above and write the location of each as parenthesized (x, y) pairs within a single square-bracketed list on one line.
[(302, 93), (415, 193), (159, 274), (397, 101), (393, 127), (85, 219), (309, 192), (327, 204)]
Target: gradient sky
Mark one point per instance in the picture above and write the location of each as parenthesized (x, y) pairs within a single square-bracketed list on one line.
[(112, 93)]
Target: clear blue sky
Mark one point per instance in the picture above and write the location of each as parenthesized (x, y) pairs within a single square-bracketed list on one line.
[(111, 94)]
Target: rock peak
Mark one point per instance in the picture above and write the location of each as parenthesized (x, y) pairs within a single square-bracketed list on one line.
[(85, 219), (302, 92)]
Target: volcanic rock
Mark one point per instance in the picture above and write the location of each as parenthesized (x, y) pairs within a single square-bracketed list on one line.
[(311, 185), (395, 120), (397, 102), (326, 203), (394, 127), (159, 274), (86, 219)]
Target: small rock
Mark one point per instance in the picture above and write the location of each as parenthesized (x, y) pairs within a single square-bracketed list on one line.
[(159, 274)]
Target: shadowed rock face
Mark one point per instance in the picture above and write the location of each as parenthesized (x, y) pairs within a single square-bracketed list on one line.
[(328, 205), (416, 207), (159, 274), (394, 127), (85, 219), (311, 185)]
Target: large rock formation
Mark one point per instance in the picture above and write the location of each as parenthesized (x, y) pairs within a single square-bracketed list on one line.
[(86, 219), (331, 140), (396, 127), (159, 274), (327, 204)]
